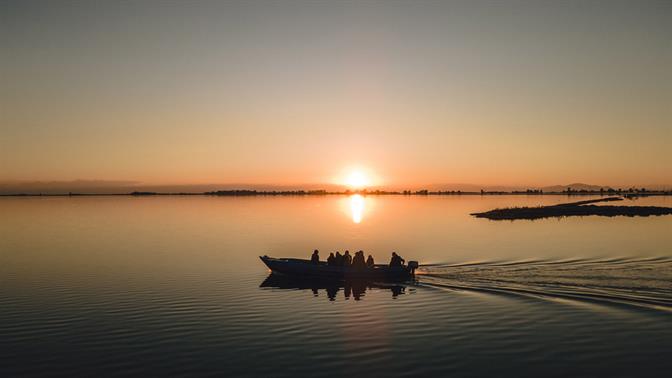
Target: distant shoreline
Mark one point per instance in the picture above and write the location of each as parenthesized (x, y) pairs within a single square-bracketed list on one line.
[(248, 193)]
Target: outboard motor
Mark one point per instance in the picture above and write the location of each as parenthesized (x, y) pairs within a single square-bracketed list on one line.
[(413, 265)]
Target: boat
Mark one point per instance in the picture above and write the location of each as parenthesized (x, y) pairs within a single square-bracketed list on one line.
[(306, 269)]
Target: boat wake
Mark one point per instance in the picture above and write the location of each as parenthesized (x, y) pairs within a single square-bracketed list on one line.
[(641, 282)]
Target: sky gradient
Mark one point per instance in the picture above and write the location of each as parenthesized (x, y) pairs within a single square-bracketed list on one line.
[(290, 93)]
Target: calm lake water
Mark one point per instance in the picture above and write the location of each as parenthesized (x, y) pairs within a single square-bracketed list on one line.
[(174, 286)]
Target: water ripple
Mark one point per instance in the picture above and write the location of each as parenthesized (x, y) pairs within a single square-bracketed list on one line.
[(635, 281)]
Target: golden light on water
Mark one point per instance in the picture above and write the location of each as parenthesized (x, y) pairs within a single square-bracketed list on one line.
[(357, 208)]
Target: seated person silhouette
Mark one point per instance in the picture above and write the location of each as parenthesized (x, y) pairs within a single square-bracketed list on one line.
[(369, 262), (396, 260), (347, 259), (358, 261), (339, 259)]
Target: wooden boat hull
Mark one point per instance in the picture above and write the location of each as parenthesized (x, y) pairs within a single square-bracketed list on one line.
[(304, 268)]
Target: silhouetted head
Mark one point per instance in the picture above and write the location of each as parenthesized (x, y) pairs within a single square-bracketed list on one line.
[(315, 252), (394, 253), (338, 253), (331, 254), (347, 253)]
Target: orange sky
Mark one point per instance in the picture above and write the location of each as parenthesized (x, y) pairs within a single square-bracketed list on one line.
[(413, 93)]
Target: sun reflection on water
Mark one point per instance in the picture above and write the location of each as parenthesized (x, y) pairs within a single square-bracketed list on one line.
[(356, 207)]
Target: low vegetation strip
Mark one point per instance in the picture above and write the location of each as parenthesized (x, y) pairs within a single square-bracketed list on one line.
[(581, 208)]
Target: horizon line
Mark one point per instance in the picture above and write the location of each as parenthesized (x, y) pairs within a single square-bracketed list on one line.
[(308, 192)]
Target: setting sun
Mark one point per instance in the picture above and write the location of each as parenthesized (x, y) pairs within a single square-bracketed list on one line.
[(357, 180)]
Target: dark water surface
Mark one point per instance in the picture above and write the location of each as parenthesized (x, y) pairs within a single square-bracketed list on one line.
[(173, 286)]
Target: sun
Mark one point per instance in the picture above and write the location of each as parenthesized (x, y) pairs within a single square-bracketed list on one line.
[(357, 180)]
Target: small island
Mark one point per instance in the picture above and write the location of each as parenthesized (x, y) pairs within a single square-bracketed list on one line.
[(580, 208)]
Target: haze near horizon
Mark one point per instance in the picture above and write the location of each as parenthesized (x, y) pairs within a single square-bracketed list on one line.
[(516, 94)]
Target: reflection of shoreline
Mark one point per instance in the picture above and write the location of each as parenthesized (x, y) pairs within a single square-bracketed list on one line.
[(351, 288)]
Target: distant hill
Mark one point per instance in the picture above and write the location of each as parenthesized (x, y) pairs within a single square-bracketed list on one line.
[(657, 187), (464, 187), (510, 188), (122, 187), (65, 187)]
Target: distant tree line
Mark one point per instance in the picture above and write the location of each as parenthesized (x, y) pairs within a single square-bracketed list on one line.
[(630, 192), (245, 192)]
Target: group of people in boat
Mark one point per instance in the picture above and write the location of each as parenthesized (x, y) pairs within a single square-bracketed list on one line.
[(356, 261)]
